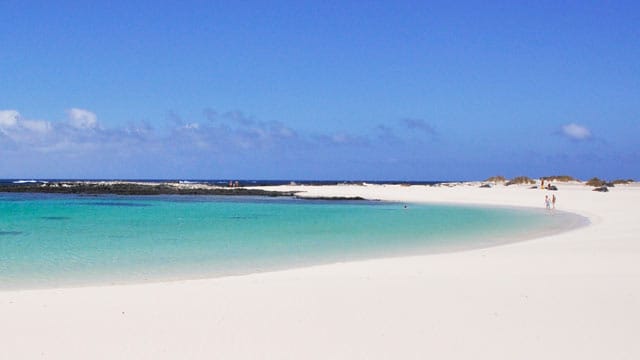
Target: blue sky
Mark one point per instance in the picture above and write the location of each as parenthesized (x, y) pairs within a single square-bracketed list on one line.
[(319, 90)]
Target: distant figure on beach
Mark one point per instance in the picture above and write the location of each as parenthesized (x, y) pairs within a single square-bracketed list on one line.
[(547, 202), (553, 201), (542, 184)]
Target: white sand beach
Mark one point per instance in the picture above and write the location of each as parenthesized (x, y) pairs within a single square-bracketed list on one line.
[(573, 295)]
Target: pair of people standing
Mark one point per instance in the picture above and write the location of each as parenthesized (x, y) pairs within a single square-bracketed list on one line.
[(550, 202)]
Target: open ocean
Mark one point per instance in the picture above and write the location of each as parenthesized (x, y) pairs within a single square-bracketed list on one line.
[(53, 240)]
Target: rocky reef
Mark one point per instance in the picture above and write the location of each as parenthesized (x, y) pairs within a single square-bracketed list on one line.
[(135, 188)]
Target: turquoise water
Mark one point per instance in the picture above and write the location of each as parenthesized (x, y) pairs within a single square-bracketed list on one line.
[(68, 240)]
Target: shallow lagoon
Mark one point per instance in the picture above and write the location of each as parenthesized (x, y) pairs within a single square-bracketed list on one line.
[(70, 240)]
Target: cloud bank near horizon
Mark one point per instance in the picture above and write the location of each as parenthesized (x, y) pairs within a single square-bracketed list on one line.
[(231, 144), (219, 133), (219, 140)]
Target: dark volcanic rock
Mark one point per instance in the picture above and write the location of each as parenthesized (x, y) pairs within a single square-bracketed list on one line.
[(125, 188), (601, 189), (344, 198)]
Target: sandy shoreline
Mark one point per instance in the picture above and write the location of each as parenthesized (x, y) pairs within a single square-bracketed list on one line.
[(569, 295)]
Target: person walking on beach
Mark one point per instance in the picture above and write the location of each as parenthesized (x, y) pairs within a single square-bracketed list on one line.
[(553, 201), (547, 202)]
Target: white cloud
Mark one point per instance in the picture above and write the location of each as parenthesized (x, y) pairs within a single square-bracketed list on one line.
[(82, 119), (191, 126), (81, 134), (18, 129), (8, 118), (38, 126), (576, 131)]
